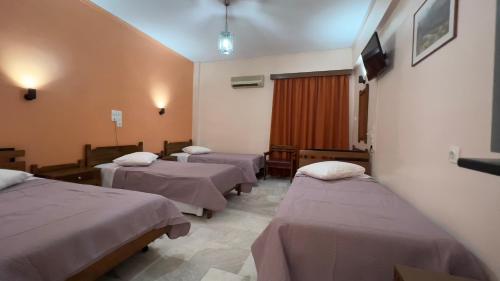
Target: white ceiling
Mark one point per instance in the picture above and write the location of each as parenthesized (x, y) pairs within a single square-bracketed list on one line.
[(260, 27)]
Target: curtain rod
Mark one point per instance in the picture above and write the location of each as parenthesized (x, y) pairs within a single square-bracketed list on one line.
[(311, 74)]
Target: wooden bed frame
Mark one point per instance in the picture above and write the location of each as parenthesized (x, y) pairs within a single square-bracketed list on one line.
[(358, 157), (105, 264), (119, 255), (8, 159), (106, 154), (174, 147)]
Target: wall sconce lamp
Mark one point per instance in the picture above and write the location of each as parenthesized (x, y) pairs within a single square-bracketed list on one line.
[(361, 80), (30, 95), (162, 111)]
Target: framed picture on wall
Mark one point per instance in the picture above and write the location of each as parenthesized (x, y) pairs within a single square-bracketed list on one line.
[(434, 25)]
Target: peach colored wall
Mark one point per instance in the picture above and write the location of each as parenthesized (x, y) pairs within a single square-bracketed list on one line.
[(420, 111), (85, 62)]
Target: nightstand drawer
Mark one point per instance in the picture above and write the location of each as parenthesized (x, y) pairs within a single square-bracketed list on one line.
[(81, 177)]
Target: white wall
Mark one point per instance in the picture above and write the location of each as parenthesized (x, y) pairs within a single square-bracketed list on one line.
[(372, 106), (376, 15), (380, 13), (239, 120), (421, 111)]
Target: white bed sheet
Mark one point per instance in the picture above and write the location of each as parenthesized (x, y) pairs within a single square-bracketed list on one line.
[(108, 173), (181, 156)]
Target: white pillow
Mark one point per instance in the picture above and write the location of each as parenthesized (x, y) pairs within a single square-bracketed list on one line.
[(136, 159), (196, 149), (12, 177), (331, 170)]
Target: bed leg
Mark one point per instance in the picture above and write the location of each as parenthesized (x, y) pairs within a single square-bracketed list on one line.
[(238, 189), (209, 213), (145, 249)]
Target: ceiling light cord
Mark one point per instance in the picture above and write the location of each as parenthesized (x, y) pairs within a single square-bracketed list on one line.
[(227, 5)]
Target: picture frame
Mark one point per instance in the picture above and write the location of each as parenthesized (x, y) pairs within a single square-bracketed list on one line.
[(434, 26)]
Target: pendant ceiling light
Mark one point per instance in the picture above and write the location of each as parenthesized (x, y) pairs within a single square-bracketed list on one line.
[(226, 45)]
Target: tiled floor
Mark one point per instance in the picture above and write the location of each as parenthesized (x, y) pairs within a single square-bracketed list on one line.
[(215, 250)]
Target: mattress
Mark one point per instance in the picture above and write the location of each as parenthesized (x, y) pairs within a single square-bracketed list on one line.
[(353, 229), (108, 174), (250, 164), (52, 230), (200, 185)]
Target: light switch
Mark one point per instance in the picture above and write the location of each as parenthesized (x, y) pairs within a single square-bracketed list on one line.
[(454, 154), (116, 116)]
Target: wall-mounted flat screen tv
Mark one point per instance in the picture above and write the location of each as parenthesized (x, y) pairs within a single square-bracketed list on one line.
[(373, 57)]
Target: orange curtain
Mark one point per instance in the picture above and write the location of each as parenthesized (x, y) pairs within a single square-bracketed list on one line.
[(311, 113)]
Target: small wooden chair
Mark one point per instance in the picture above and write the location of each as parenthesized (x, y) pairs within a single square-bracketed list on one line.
[(285, 162)]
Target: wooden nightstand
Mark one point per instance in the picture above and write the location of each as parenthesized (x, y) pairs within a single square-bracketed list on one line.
[(169, 158), (69, 172), (405, 273)]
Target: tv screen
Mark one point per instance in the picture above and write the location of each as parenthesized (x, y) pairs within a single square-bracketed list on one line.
[(373, 57)]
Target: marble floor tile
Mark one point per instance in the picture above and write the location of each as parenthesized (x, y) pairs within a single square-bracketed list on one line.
[(187, 271), (217, 249), (230, 260), (248, 270), (134, 266), (159, 269), (217, 275)]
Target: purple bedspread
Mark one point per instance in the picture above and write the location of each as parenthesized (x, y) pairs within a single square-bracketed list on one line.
[(250, 164), (51, 230), (202, 185), (350, 230)]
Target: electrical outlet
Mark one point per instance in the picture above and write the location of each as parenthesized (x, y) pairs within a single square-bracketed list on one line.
[(454, 154)]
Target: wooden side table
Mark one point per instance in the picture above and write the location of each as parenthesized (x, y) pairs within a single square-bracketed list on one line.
[(169, 158), (74, 172), (406, 273)]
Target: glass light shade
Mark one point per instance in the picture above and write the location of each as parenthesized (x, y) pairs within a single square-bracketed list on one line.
[(226, 45)]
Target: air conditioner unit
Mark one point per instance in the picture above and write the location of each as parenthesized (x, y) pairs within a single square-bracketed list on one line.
[(247, 82)]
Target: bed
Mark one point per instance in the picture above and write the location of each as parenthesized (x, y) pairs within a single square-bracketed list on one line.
[(53, 230), (353, 229), (355, 156), (195, 188), (250, 164)]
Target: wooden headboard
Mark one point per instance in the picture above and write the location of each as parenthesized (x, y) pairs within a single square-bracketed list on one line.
[(358, 157), (175, 147), (106, 154), (8, 159)]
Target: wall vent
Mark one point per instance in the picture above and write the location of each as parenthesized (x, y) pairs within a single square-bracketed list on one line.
[(239, 82)]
